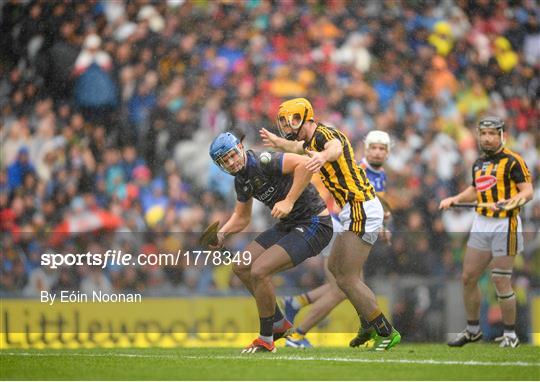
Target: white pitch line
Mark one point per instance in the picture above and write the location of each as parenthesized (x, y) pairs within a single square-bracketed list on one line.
[(284, 358)]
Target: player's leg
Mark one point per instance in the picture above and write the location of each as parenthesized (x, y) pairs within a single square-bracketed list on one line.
[(474, 264), (366, 332), (332, 296), (501, 276), (507, 243), (256, 248), (314, 238), (292, 304), (273, 260), (346, 263), (349, 253), (243, 271)]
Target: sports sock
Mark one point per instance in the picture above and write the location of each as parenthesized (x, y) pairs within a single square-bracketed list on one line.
[(300, 331), (473, 326), (381, 325), (365, 324), (266, 326), (510, 331), (301, 300)]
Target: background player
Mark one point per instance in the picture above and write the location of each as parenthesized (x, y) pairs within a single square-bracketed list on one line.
[(326, 297), (499, 176), (281, 182), (361, 213)]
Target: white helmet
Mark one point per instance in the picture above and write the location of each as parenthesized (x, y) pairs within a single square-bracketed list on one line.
[(377, 136)]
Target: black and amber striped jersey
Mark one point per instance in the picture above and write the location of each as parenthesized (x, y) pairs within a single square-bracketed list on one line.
[(496, 177), (345, 180)]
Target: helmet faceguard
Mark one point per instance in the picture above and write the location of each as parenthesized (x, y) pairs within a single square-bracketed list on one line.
[(292, 115), (491, 123), (223, 147)]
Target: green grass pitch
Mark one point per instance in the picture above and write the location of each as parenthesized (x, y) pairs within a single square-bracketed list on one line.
[(405, 362)]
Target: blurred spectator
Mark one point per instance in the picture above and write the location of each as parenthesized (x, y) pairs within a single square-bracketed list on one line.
[(18, 169)]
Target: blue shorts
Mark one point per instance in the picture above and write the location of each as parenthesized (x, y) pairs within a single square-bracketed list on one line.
[(300, 240)]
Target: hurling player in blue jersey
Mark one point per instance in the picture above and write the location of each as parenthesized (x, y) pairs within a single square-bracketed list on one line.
[(326, 297), (282, 182)]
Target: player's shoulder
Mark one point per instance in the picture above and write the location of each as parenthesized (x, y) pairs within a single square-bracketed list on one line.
[(329, 130), (506, 152)]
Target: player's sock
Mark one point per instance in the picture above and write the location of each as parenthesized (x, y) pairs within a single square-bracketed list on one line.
[(278, 317), (510, 331), (381, 324), (266, 328), (365, 324), (301, 300), (300, 331), (473, 326)]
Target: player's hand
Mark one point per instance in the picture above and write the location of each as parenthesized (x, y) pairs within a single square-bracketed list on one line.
[(387, 215), (447, 203), (269, 139), (316, 161), (282, 209), (497, 206), (221, 240)]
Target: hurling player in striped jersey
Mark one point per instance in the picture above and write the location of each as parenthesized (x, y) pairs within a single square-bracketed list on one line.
[(499, 177), (326, 297)]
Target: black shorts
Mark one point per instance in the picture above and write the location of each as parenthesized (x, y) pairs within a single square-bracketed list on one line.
[(301, 240)]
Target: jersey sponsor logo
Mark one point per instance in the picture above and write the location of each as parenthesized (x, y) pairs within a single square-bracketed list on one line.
[(485, 182), (265, 195)]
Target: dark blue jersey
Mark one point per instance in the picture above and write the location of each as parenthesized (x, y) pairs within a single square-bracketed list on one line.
[(267, 183)]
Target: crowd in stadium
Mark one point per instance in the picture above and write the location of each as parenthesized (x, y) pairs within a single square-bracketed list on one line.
[(108, 109)]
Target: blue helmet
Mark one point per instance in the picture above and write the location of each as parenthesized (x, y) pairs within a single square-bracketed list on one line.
[(221, 145)]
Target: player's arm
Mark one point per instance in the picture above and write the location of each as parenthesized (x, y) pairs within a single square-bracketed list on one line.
[(521, 175), (467, 195), (332, 151), (238, 221), (281, 144), (525, 192), (296, 165), (523, 196)]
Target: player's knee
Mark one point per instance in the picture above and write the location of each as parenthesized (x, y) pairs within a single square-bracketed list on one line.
[(469, 279), (258, 273), (502, 281), (241, 269)]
